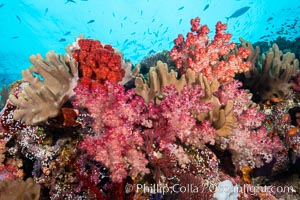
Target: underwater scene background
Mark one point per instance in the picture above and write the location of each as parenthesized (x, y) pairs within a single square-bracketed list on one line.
[(150, 99)]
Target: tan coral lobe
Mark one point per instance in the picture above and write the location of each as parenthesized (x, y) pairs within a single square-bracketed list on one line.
[(43, 98)]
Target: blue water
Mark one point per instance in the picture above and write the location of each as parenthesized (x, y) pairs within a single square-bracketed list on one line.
[(134, 27)]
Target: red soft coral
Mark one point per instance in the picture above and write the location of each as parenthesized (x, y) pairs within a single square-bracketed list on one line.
[(211, 59), (98, 62)]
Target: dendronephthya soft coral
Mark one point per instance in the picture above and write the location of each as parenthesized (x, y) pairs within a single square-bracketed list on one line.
[(214, 59)]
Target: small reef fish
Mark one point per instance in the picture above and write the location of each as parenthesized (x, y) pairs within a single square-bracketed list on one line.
[(151, 52), (113, 14), (19, 18), (166, 30), (205, 8), (238, 12), (125, 41), (72, 1), (46, 11), (62, 40), (180, 21), (269, 19), (125, 18), (67, 33), (265, 36), (182, 7), (1, 5), (14, 37), (91, 21)]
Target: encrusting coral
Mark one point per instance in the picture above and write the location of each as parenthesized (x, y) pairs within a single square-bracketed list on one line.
[(42, 97)]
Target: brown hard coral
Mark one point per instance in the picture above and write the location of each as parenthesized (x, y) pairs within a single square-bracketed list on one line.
[(269, 76), (42, 98), (150, 89), (19, 190), (277, 70)]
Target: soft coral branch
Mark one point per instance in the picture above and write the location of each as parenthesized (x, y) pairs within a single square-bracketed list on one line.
[(116, 139), (213, 59), (251, 145)]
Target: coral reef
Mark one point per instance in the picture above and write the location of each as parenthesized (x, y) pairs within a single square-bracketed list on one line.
[(75, 127)]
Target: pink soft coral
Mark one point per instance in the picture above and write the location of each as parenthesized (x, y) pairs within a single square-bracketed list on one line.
[(211, 59), (175, 117), (116, 139), (184, 108), (251, 145), (119, 117)]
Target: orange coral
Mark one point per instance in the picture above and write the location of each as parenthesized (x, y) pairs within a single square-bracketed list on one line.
[(98, 62)]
